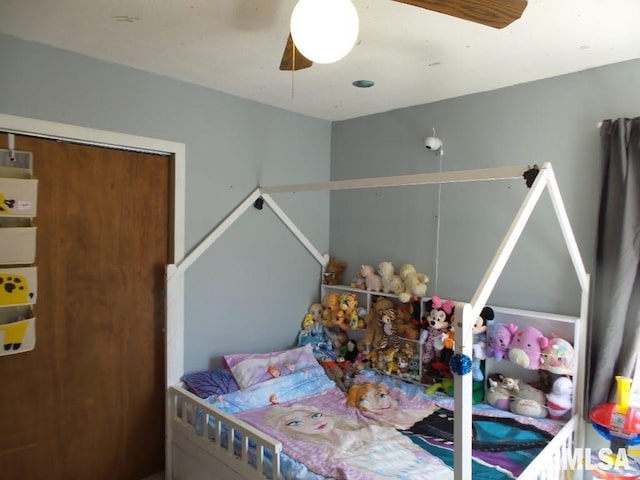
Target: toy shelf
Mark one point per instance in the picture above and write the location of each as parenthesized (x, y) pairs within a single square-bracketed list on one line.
[(549, 325)]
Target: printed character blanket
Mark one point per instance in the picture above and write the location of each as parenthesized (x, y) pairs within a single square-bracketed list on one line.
[(503, 443), (336, 440)]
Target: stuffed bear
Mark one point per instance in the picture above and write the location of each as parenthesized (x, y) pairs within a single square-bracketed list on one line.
[(526, 348), (415, 284), (391, 283), (349, 305), (407, 324), (499, 337), (437, 322), (332, 315), (371, 279)]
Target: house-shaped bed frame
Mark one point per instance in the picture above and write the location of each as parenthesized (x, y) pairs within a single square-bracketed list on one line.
[(228, 465)]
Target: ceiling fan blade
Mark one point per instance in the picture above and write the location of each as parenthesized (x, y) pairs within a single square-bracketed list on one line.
[(492, 13), (287, 62)]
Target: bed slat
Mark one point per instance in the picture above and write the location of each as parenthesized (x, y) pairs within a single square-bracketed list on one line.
[(184, 413)]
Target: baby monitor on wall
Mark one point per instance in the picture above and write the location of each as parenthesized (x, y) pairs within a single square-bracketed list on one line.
[(433, 143)]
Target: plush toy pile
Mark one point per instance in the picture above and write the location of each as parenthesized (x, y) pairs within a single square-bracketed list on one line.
[(408, 335), (551, 395), (407, 283)]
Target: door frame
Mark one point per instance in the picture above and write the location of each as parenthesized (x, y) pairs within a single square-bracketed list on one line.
[(174, 321)]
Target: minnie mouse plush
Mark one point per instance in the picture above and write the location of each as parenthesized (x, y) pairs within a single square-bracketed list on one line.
[(437, 322)]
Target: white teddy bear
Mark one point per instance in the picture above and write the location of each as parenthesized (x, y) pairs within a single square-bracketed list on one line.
[(390, 281), (415, 284)]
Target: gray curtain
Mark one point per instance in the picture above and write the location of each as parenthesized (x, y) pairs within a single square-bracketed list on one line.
[(615, 297)]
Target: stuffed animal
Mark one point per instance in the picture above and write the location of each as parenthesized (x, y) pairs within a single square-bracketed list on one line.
[(408, 326), (349, 305), (415, 284), (330, 305), (371, 279), (403, 365), (480, 342), (499, 337), (498, 392), (350, 352), (334, 372), (389, 363), (331, 309), (526, 348), (333, 272), (410, 350), (339, 340), (544, 382), (437, 322), (529, 402), (557, 357), (446, 344), (391, 283), (510, 384), (560, 399), (358, 281), (387, 320), (373, 330)]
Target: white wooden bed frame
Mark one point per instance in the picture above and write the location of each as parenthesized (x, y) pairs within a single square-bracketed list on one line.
[(193, 457)]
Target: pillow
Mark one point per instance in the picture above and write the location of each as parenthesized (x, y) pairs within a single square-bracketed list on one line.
[(211, 382), (251, 368)]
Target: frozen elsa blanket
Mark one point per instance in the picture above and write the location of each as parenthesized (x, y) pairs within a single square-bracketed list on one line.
[(319, 428), (337, 441)]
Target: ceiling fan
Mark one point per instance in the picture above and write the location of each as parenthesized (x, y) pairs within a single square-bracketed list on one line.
[(492, 13)]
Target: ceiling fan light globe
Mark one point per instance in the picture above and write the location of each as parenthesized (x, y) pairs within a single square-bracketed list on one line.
[(324, 31)]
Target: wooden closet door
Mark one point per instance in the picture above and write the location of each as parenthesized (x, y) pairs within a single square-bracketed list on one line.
[(88, 402)]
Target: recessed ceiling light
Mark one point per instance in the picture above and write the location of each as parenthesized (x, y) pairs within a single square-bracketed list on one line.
[(363, 83)]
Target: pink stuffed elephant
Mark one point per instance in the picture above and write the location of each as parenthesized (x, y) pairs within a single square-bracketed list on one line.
[(526, 348)]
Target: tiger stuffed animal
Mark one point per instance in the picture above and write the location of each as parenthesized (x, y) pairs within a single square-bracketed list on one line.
[(387, 320)]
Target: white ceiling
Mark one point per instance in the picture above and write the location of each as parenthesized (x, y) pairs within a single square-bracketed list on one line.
[(414, 56)]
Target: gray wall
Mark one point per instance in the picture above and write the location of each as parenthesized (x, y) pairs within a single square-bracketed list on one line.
[(553, 120), (252, 289), (242, 294)]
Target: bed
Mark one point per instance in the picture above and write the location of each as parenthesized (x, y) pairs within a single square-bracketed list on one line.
[(227, 437)]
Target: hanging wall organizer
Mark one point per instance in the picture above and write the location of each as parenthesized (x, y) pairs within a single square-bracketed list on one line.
[(18, 271)]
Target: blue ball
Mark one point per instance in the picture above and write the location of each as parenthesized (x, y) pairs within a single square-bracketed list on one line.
[(460, 364)]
